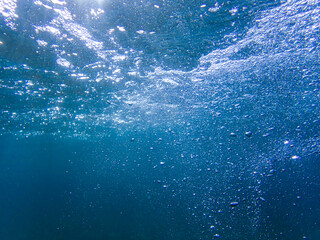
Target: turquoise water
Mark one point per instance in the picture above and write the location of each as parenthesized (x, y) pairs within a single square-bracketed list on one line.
[(138, 120)]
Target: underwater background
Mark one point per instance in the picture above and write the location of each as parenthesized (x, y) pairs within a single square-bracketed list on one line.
[(159, 119)]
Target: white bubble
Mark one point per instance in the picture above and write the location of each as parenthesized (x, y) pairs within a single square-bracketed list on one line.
[(121, 29), (141, 32)]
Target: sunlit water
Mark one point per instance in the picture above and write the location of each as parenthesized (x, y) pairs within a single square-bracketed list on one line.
[(159, 119)]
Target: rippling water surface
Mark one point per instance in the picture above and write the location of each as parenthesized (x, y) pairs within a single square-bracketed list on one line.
[(159, 119)]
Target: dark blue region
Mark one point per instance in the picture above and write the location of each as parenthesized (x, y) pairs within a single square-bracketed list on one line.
[(117, 188), (56, 189), (287, 214)]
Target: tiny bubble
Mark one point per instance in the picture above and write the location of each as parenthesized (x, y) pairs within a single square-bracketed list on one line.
[(233, 134), (248, 134), (233, 204)]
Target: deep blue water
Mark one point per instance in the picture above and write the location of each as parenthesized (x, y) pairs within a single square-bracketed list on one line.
[(159, 120)]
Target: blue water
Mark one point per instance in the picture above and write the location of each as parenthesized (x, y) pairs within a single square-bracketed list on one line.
[(159, 120)]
